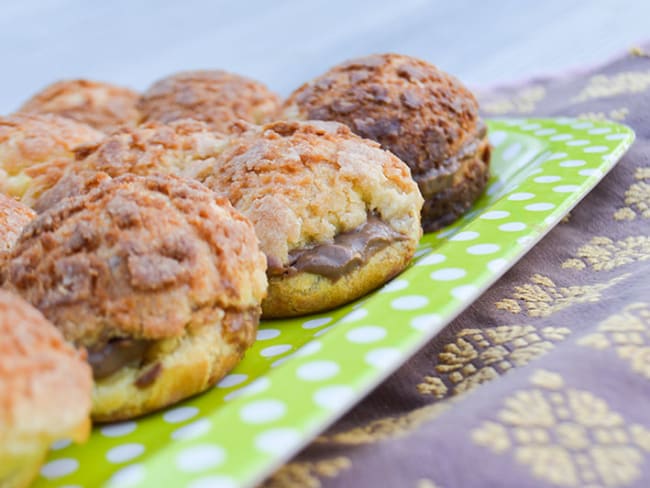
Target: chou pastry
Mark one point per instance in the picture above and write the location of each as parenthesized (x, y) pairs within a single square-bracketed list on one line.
[(100, 105), (35, 151), (152, 148), (13, 217), (157, 277), (45, 391), (421, 114), (336, 215), (216, 97)]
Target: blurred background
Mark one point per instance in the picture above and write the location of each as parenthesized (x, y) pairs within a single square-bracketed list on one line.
[(285, 42)]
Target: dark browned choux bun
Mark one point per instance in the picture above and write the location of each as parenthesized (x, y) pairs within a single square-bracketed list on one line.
[(45, 391), (336, 215), (35, 151), (421, 114), (215, 97), (102, 106), (157, 277)]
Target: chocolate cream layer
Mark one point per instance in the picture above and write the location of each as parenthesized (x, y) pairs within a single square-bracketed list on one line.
[(349, 251), (452, 169)]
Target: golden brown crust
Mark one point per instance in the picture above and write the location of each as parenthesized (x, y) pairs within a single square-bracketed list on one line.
[(216, 97), (302, 183), (305, 293), (14, 216), (138, 257), (423, 115), (154, 148), (38, 369), (35, 151), (186, 366), (71, 184), (102, 106)]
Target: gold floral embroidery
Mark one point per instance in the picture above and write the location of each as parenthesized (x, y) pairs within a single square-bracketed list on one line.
[(521, 102), (637, 198), (566, 436), (301, 474), (426, 483), (542, 297), (604, 86), (639, 52), (614, 114), (629, 334), (605, 254), (386, 428), (480, 355)]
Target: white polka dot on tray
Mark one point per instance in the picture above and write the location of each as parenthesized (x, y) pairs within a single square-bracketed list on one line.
[(497, 265), (59, 468), (60, 444), (409, 302), (578, 142), (531, 126), (200, 458), (366, 334), (422, 252), (448, 274), (383, 357), (512, 226), (557, 155), (590, 172), (464, 292), (524, 240), (180, 414), (232, 380), (464, 236), (599, 130), (521, 196), (430, 259), (565, 188), (395, 285), (572, 163), (480, 249), (561, 137), (263, 411), (276, 350), (257, 386), (118, 430), (539, 207), (333, 397), (582, 125), (266, 334), (279, 440), (425, 323), (545, 132), (616, 137), (213, 481), (358, 314), (192, 430), (312, 347), (512, 151), (124, 453), (547, 179), (497, 137), (596, 149), (495, 215), (317, 370), (129, 476), (315, 323)]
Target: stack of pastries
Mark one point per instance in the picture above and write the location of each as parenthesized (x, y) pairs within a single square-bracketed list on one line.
[(145, 235)]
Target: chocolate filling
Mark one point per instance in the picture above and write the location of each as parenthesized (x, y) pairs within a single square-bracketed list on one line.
[(452, 168), (115, 355), (349, 251)]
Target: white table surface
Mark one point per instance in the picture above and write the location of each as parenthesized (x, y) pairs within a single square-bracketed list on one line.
[(285, 42)]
